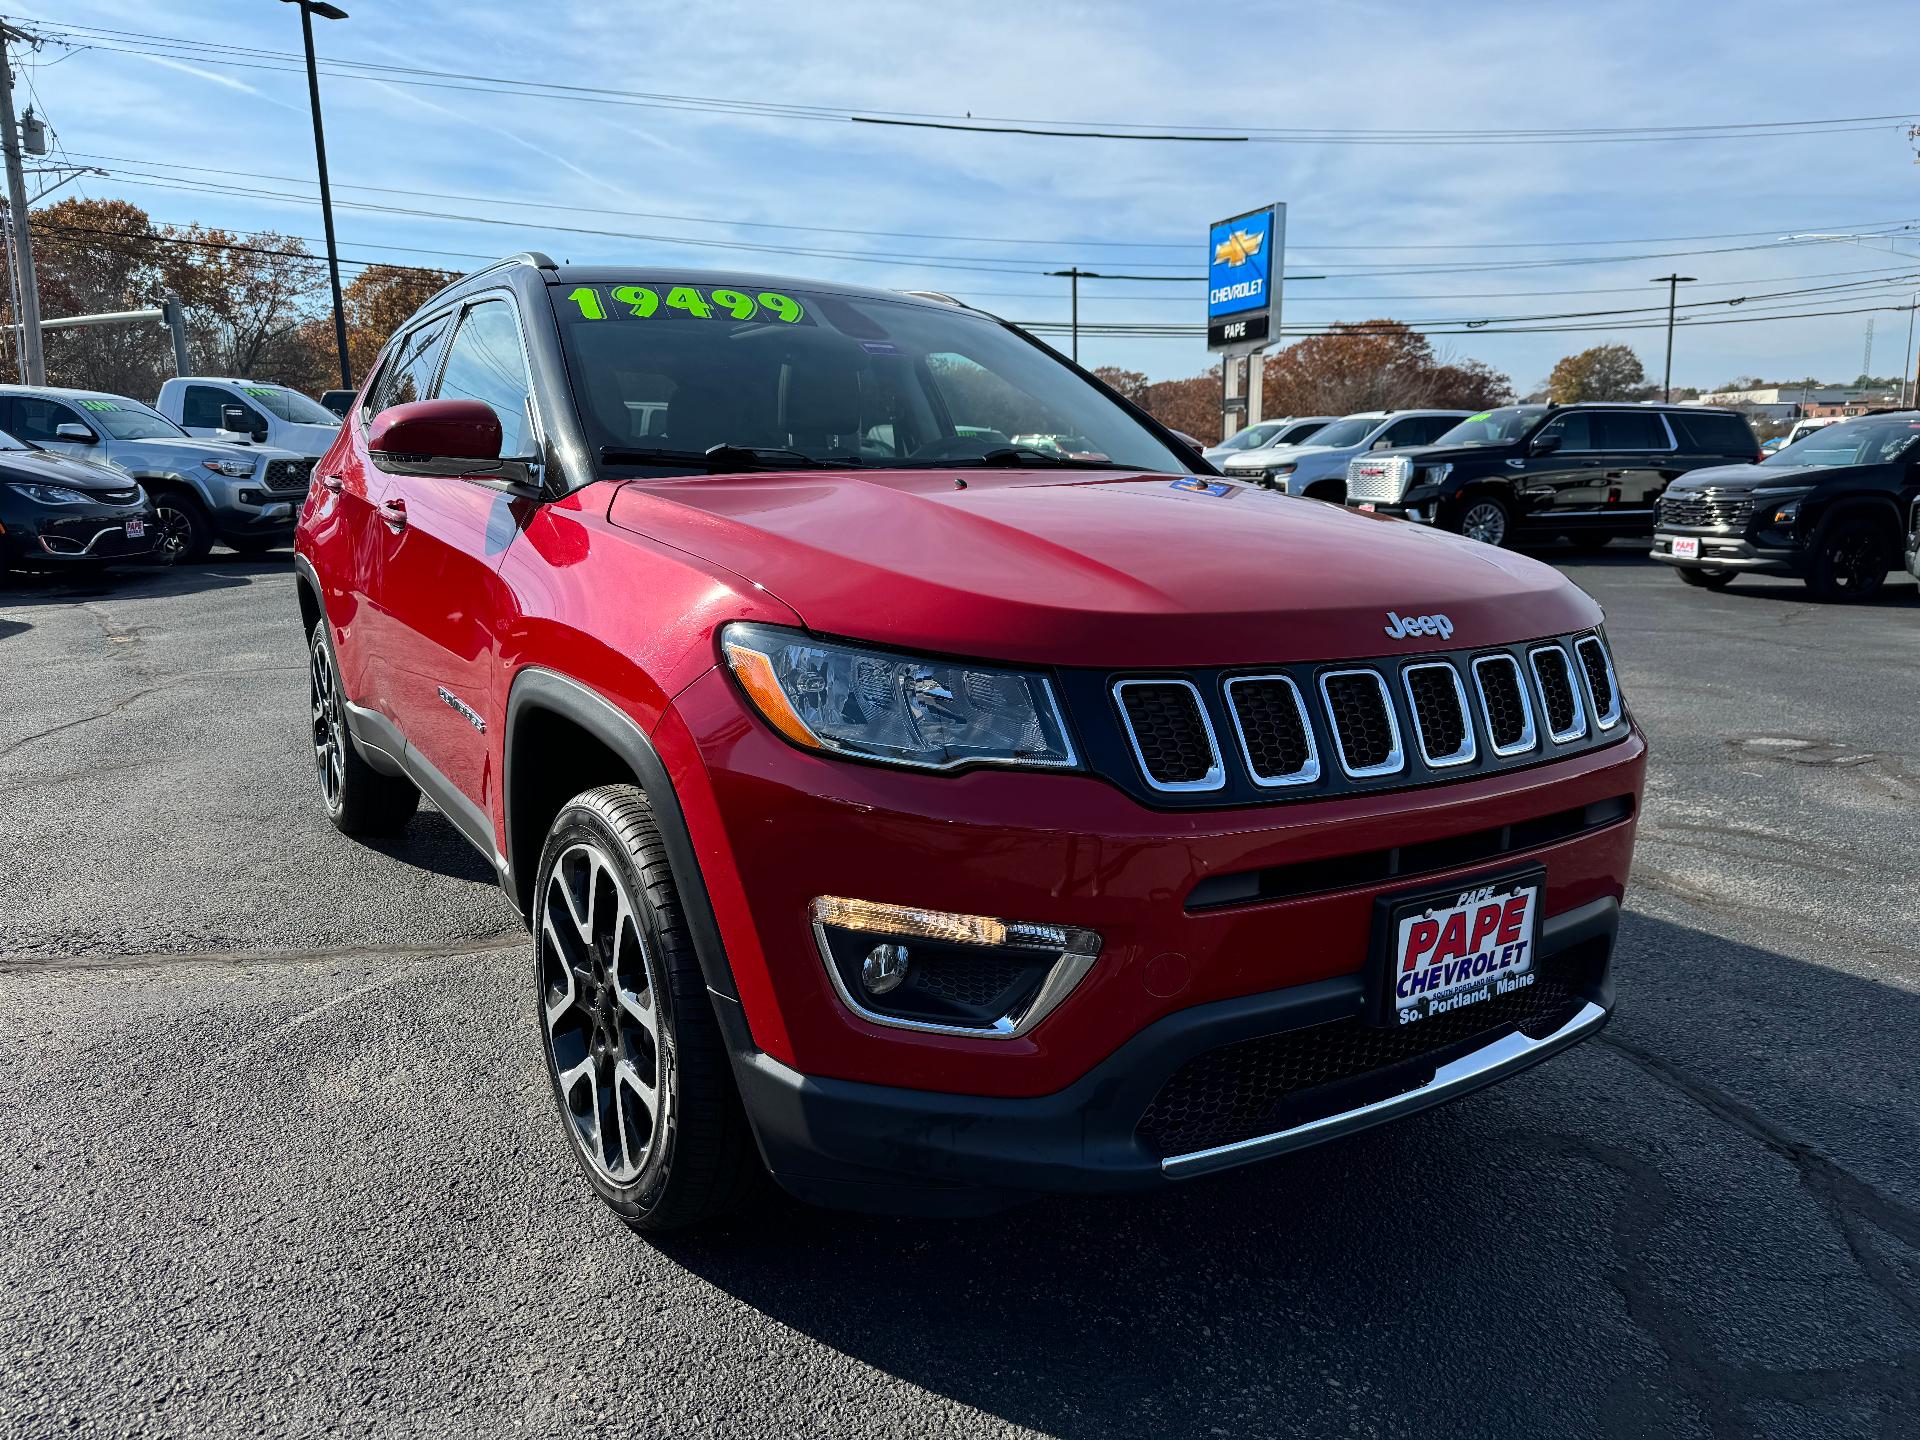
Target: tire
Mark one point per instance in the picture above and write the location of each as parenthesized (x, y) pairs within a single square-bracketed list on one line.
[(1706, 579), (358, 799), (1485, 518), (1850, 557), (621, 998), (186, 534)]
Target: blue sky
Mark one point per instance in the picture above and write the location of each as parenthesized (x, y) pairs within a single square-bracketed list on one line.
[(676, 173)]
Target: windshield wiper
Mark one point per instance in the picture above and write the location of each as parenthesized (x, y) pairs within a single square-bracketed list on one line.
[(728, 459), (1022, 456)]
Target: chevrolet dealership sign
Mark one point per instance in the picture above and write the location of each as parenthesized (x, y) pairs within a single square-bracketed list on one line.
[(1244, 257)]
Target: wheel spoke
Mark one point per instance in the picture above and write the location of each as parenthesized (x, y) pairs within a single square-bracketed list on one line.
[(632, 974)]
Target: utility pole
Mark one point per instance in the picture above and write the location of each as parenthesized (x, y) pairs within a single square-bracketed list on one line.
[(1906, 356), (308, 9), (33, 358), (1074, 276), (1673, 284)]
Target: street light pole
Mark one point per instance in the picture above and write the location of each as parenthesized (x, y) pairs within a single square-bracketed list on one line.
[(27, 312), (308, 9), (1074, 276), (1673, 284)]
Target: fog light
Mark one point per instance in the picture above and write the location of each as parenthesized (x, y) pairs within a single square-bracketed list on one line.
[(884, 968), (963, 975)]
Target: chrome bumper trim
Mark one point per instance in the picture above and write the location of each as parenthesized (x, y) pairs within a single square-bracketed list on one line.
[(1503, 1057)]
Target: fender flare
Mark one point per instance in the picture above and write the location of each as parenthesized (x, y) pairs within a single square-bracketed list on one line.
[(150, 478), (536, 688), (1842, 506)]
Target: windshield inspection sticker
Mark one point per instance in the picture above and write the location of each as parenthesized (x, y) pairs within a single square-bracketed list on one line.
[(641, 302), (1203, 487)]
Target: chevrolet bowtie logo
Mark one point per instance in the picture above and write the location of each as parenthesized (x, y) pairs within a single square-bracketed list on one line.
[(1237, 248)]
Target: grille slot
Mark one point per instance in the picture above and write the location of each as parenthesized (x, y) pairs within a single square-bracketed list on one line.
[(288, 474), (1601, 684), (1504, 702), (1439, 704), (1559, 696), (1256, 1087), (1705, 510), (1378, 477), (1172, 737), (1365, 732), (1276, 739)]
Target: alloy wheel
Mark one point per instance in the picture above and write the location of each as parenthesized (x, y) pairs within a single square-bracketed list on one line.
[(597, 1004), (1854, 556), (1485, 522), (329, 725), (175, 529)]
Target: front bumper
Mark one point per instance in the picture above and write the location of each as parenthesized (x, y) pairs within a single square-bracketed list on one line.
[(1720, 550), (79, 535), (882, 1148)]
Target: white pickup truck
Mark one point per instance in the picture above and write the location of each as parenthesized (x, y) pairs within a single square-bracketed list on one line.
[(217, 408)]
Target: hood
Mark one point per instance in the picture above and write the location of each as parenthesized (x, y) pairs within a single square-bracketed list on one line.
[(1269, 456), (303, 439), (42, 467), (1098, 569), (1742, 478), (165, 454), (1456, 454)]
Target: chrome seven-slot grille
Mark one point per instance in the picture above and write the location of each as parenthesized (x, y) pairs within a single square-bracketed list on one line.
[(1241, 737), (1706, 510)]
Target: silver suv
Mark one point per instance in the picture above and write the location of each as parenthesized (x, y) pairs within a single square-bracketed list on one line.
[(202, 490), (1319, 468)]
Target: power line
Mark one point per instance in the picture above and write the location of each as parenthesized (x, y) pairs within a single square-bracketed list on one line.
[(257, 58)]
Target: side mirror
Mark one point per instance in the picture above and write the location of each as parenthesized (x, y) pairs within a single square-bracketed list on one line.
[(79, 434), (238, 420), (1381, 444), (1544, 445), (436, 437)]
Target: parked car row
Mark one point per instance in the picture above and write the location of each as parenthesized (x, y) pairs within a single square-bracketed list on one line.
[(91, 477)]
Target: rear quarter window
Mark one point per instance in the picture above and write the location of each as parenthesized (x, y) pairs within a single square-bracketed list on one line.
[(1711, 434)]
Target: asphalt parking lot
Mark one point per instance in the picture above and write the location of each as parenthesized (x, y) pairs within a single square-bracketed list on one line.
[(278, 1154)]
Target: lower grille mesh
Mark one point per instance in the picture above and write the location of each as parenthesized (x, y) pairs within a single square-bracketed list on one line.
[(1240, 1091)]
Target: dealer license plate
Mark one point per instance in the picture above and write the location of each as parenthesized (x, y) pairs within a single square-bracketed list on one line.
[(1367, 506), (136, 529), (1463, 946), (1686, 547)]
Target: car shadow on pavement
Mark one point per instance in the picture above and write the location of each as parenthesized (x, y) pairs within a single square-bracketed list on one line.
[(430, 842), (1672, 1229), (220, 572)]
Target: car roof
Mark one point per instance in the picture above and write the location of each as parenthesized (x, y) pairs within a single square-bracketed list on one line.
[(69, 393)]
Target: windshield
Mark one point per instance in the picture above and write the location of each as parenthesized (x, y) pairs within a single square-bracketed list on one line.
[(1494, 427), (1253, 436), (828, 378), (7, 442), (1297, 434), (1873, 441), (1350, 431), (130, 420), (290, 404)]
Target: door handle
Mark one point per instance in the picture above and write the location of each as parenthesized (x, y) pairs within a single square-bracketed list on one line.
[(335, 483), (394, 512)]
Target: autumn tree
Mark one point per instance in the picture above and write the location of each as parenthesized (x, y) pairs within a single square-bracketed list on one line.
[(1603, 372), (378, 301), (247, 299), (1191, 406), (1374, 365), (1132, 384), (93, 257)]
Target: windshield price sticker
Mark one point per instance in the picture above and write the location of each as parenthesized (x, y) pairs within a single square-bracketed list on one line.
[(259, 392), (98, 405), (643, 302)]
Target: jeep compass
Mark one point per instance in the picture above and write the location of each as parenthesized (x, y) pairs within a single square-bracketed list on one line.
[(925, 818)]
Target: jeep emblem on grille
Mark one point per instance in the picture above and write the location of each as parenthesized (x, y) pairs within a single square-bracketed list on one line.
[(1399, 627)]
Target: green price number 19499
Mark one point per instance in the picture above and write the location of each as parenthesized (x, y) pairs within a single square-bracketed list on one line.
[(643, 303)]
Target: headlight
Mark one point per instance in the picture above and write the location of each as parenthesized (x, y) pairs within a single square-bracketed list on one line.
[(237, 469), (1435, 474), (1781, 507), (54, 495), (932, 714)]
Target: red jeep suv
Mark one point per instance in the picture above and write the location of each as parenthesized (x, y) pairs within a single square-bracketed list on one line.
[(925, 819)]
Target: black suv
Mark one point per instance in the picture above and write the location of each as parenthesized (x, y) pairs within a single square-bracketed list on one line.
[(1831, 509), (1589, 472)]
